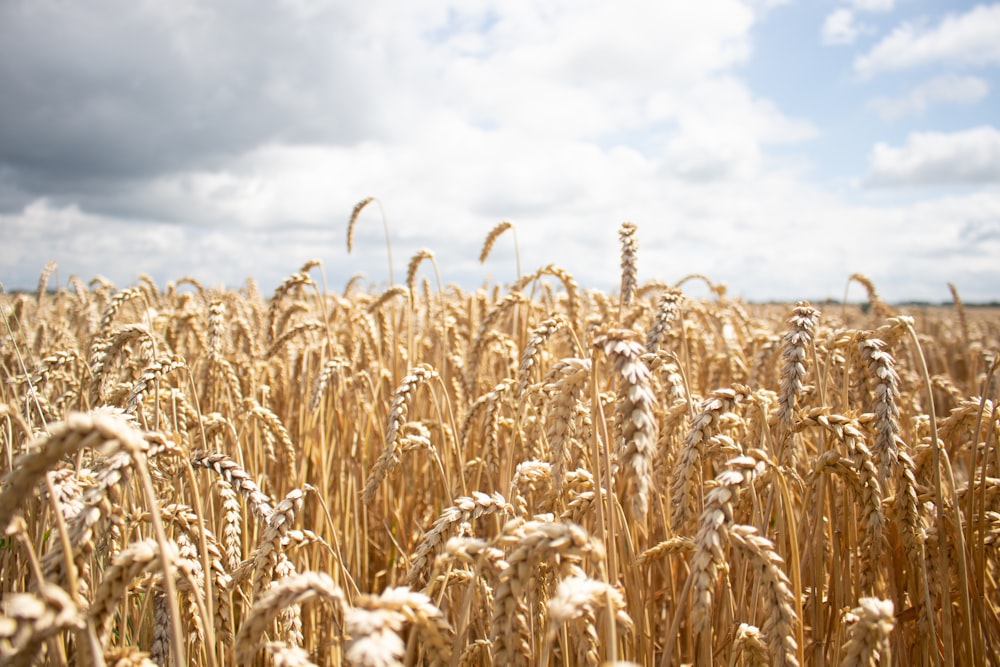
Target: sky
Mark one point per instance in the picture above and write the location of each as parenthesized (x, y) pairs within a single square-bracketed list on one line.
[(774, 146)]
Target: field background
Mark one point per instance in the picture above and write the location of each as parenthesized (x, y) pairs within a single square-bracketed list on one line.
[(531, 473)]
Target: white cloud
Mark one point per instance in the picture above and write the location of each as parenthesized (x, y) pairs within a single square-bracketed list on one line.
[(948, 89), (972, 38), (840, 28), (873, 5), (87, 244), (938, 158)]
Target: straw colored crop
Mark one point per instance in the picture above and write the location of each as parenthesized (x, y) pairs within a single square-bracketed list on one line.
[(526, 473)]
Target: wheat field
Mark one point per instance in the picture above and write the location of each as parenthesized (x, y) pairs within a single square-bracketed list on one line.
[(530, 473)]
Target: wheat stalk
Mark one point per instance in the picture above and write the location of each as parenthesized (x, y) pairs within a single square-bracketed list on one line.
[(353, 221)]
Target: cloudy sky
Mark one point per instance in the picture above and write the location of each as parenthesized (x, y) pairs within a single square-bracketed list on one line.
[(776, 146)]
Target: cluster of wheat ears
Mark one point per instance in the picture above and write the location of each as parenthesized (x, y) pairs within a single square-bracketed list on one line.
[(524, 474)]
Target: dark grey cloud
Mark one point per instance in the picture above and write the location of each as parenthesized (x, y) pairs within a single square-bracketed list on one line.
[(104, 93)]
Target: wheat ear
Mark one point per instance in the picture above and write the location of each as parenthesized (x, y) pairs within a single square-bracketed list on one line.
[(354, 219), (794, 348), (630, 252), (635, 427), (880, 368), (27, 620), (137, 558), (233, 472), (464, 510), (568, 282), (532, 542), (411, 269), (716, 520), (289, 284), (415, 608), (486, 327), (751, 644), (689, 460), (781, 618), (389, 459), (565, 381), (879, 307), (283, 655), (532, 352), (43, 280), (80, 430), (667, 312), (295, 589), (491, 239), (385, 223), (867, 645), (268, 553), (580, 597)]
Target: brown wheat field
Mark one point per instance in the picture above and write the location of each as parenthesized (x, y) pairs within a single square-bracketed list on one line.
[(528, 473)]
